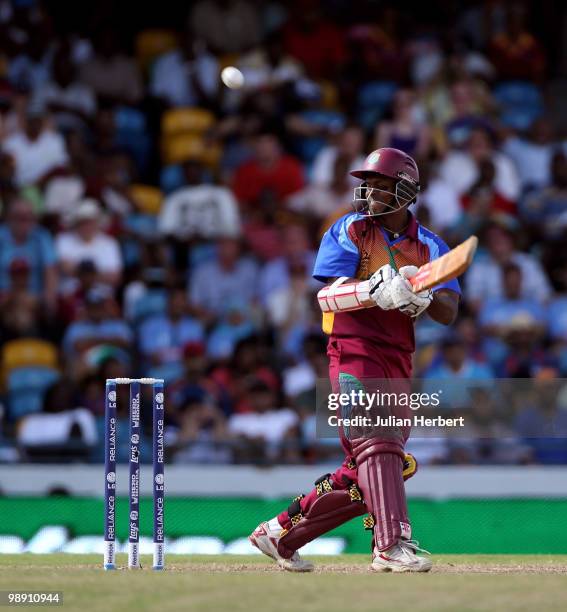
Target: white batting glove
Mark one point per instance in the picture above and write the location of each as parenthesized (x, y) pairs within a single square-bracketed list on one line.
[(380, 285), (403, 297)]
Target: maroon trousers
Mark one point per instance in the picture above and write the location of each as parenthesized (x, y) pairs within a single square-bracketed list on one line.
[(373, 464)]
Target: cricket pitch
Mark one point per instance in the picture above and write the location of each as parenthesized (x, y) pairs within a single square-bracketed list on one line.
[(233, 583)]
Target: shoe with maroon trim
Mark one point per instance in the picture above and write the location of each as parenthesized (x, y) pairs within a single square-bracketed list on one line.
[(401, 558), (266, 541)]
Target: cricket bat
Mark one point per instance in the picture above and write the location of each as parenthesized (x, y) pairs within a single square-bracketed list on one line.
[(447, 267), (342, 297)]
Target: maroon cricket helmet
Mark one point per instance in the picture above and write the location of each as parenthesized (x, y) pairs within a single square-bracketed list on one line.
[(394, 164)]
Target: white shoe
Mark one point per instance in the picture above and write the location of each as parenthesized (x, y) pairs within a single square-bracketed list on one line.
[(266, 541), (401, 558)]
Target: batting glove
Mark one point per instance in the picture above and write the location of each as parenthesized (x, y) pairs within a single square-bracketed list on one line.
[(380, 284), (403, 297)]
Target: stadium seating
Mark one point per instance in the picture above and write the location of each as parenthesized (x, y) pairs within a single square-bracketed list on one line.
[(147, 198), (186, 121), (28, 352), (152, 43), (183, 147)]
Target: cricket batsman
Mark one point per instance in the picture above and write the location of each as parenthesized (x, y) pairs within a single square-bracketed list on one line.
[(380, 241)]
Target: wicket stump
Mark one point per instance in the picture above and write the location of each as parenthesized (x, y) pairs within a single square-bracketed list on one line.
[(158, 457)]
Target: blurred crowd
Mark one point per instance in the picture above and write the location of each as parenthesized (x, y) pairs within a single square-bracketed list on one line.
[(154, 222)]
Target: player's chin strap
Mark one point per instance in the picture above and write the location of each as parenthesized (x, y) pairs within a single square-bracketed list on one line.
[(342, 297)]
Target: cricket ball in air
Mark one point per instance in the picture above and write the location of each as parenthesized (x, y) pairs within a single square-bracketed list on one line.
[(232, 77)]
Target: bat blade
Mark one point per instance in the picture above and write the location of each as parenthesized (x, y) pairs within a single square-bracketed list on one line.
[(447, 267)]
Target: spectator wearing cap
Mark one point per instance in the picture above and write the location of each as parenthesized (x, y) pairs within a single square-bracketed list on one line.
[(112, 75), (86, 241), (186, 76), (229, 276), (21, 238), (546, 208), (161, 338), (198, 209), (270, 176), (485, 277), (462, 169), (99, 325), (36, 149)]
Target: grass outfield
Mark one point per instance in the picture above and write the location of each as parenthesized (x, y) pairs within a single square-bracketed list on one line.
[(232, 583)]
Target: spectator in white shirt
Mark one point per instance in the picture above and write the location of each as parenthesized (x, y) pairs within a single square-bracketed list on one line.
[(86, 242), (460, 169), (485, 279), (263, 430), (187, 76), (36, 150), (199, 210)]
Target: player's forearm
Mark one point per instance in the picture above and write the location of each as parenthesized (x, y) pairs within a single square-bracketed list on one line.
[(443, 307), (344, 294)]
